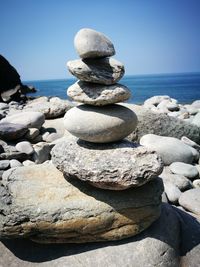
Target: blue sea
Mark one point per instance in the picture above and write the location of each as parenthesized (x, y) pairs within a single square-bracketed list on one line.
[(183, 87)]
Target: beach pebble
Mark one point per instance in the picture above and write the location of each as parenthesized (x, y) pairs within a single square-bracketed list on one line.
[(100, 125), (178, 180), (12, 131), (28, 163), (52, 137), (15, 163), (190, 200), (91, 44), (169, 148), (41, 152), (184, 169), (98, 95), (29, 119), (172, 106), (4, 164), (196, 183), (101, 70), (24, 147), (173, 192)]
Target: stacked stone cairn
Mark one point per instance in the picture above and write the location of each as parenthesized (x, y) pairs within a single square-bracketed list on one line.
[(124, 172)]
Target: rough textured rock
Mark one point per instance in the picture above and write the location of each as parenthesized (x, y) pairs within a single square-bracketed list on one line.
[(91, 44), (12, 131), (170, 149), (184, 169), (171, 244), (51, 108), (39, 203), (190, 200), (97, 94), (102, 70), (162, 124), (114, 166), (100, 125), (30, 119)]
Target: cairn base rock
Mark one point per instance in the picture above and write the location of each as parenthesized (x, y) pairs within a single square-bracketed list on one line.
[(37, 202)]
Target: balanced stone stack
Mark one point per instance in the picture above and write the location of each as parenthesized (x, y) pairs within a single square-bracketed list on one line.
[(100, 155)]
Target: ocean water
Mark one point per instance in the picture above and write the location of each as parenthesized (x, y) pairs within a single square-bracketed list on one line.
[(183, 87)]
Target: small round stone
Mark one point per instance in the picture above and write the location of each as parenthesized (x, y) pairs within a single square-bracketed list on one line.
[(25, 147), (91, 44), (100, 125), (98, 95), (98, 70), (182, 168)]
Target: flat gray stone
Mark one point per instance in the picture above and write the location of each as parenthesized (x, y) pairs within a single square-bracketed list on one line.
[(91, 44), (170, 149), (178, 180), (100, 125), (12, 131), (115, 166), (98, 95), (30, 119), (173, 192), (101, 70), (185, 169), (190, 200), (39, 203)]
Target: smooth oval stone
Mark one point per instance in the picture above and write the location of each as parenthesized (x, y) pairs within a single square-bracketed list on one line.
[(12, 131), (100, 125), (98, 95), (182, 168), (91, 44), (114, 166), (100, 70), (190, 200)]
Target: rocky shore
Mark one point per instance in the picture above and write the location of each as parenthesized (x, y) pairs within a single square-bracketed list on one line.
[(103, 170)]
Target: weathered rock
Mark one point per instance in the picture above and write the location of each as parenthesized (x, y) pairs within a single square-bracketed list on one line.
[(30, 119), (190, 200), (4, 164), (24, 147), (91, 44), (162, 124), (103, 70), (196, 183), (178, 180), (155, 100), (100, 125), (47, 208), (115, 166), (51, 108), (41, 152), (171, 244), (12, 131), (97, 94), (184, 169), (170, 149)]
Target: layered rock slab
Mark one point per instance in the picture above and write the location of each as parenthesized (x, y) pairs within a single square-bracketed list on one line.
[(102, 70), (100, 125), (115, 166), (39, 203), (97, 94)]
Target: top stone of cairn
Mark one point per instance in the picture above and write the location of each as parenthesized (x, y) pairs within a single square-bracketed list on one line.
[(91, 44)]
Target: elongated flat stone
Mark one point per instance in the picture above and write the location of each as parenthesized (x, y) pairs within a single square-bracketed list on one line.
[(97, 94), (37, 202), (100, 70), (115, 166)]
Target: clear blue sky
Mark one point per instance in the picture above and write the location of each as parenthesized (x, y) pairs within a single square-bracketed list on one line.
[(150, 36)]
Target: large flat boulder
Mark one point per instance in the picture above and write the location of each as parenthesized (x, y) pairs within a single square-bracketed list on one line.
[(39, 203)]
